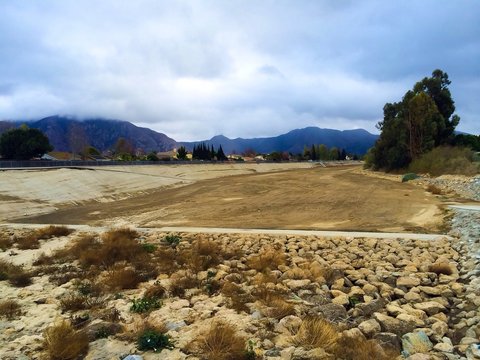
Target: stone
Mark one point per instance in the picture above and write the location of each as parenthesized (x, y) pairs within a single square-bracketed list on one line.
[(413, 343), (444, 347), (333, 312), (392, 325), (177, 305), (412, 297), (370, 327), (297, 284), (288, 324), (420, 357), (439, 328), (408, 281), (133, 357), (473, 352), (411, 319), (430, 307), (388, 339), (341, 300)]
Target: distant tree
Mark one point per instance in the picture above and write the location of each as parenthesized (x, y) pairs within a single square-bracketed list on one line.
[(220, 154), (334, 154), (313, 153), (249, 152), (182, 153), (77, 140), (23, 143), (471, 141), (152, 156), (91, 151), (322, 152), (343, 155), (422, 120), (124, 149)]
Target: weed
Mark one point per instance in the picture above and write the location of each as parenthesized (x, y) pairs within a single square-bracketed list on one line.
[(166, 260), (279, 308), (15, 274), (220, 342), (446, 160), (149, 248), (441, 268), (237, 296), (10, 309), (74, 302), (315, 332), (120, 277), (6, 241), (353, 301), (27, 242), (155, 291), (145, 304), (434, 189), (268, 259), (172, 240), (182, 281), (357, 348), (63, 342), (202, 255), (53, 231), (153, 340), (111, 314)]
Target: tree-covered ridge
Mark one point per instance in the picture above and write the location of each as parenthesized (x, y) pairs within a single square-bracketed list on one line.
[(422, 120)]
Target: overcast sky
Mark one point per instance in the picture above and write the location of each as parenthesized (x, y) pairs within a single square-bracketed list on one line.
[(195, 69)]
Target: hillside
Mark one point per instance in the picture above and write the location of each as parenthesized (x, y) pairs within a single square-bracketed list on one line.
[(353, 141), (67, 134)]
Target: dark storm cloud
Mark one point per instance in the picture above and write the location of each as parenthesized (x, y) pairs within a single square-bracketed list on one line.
[(241, 68)]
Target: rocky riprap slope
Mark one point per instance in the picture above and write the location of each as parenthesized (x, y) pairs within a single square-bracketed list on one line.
[(419, 297)]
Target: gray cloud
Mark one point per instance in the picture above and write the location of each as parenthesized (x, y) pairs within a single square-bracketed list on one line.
[(241, 68)]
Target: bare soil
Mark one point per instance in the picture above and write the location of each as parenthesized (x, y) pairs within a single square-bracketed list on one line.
[(340, 198)]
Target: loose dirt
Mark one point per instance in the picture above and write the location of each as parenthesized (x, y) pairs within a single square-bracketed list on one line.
[(317, 198)]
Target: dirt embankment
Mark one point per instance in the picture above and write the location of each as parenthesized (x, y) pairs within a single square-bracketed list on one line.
[(339, 198)]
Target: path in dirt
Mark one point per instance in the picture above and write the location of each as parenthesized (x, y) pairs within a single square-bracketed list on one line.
[(339, 198)]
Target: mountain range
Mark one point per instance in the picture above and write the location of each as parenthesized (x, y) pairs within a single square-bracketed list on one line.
[(67, 133)]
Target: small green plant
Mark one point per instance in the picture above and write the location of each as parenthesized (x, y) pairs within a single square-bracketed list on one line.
[(145, 304), (409, 176), (172, 240), (153, 340), (249, 351), (354, 300), (149, 248), (103, 332)]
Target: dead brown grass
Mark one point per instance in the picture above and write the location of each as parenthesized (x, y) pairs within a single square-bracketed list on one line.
[(6, 241), (279, 308), (155, 291), (120, 277), (73, 302), (356, 348), (316, 332), (15, 274), (10, 309), (181, 281), (165, 259), (237, 296), (434, 189), (32, 239), (220, 342), (441, 268), (63, 342), (202, 255), (268, 259)]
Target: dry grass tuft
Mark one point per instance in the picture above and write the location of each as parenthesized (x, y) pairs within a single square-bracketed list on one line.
[(31, 240), (15, 274), (316, 332), (441, 268), (74, 302), (10, 309), (181, 281), (6, 241), (237, 296), (434, 189), (202, 255), (220, 342), (268, 259), (356, 348), (165, 259), (121, 277), (279, 308), (155, 291), (63, 342)]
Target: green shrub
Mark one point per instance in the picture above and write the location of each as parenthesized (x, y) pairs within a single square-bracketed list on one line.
[(153, 340), (145, 304), (446, 160), (409, 176), (150, 248), (172, 240)]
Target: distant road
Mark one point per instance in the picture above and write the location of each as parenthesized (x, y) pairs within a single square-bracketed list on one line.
[(207, 230)]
